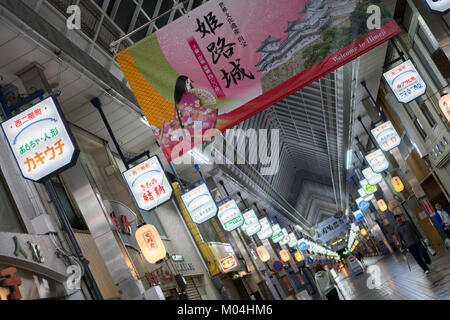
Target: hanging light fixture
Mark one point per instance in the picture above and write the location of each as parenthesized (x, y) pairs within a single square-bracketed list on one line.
[(284, 255), (263, 253), (382, 205), (150, 243), (298, 256), (363, 232), (397, 184), (444, 103)]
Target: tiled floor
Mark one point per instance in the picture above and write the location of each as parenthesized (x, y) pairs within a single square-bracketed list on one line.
[(398, 283)]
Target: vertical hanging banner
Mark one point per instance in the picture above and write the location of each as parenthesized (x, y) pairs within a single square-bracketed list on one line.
[(405, 82), (227, 60), (148, 184), (230, 216), (386, 136), (40, 141), (200, 204)]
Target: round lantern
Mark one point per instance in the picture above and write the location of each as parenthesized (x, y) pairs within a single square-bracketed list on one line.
[(444, 103), (382, 205), (397, 184), (298, 256), (363, 232), (284, 255), (150, 243), (263, 253)]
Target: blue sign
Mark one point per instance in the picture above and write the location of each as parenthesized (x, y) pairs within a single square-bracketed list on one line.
[(359, 216), (303, 245), (310, 260), (278, 265), (363, 204)]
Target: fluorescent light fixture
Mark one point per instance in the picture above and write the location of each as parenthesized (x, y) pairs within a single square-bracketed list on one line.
[(349, 159)]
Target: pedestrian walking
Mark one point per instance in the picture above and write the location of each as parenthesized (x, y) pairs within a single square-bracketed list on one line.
[(408, 239), (442, 218), (360, 257), (325, 283)]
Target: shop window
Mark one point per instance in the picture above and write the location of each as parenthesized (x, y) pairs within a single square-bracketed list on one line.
[(150, 217), (420, 129), (10, 221), (427, 114), (76, 221)]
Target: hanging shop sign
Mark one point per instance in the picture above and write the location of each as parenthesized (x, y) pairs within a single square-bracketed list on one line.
[(150, 243), (219, 65), (405, 82), (368, 188), (358, 215), (382, 205), (286, 238), (251, 223), (377, 161), (438, 6), (372, 177), (266, 229), (397, 184), (284, 255), (444, 104), (224, 256), (263, 253), (362, 204), (230, 216), (386, 136), (277, 233), (303, 244), (227, 263), (298, 256), (292, 240), (148, 184), (329, 229), (278, 266), (200, 204), (40, 141)]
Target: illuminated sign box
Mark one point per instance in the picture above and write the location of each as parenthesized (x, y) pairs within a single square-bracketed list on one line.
[(224, 256), (372, 177), (386, 136), (377, 161), (292, 240), (358, 215), (285, 239), (368, 188), (277, 233), (251, 223), (149, 184), (200, 204), (362, 204), (40, 141), (266, 229), (230, 216)]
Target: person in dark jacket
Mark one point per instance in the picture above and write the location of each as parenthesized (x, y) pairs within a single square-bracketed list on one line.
[(408, 239), (442, 218)]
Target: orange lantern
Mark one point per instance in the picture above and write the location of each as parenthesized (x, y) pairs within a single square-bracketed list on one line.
[(263, 253), (150, 243), (397, 184), (444, 103), (298, 256), (284, 255), (363, 232), (382, 205)]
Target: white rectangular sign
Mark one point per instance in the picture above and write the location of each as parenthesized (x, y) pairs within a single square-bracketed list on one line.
[(149, 184), (329, 229), (200, 204), (377, 161), (251, 223), (372, 177), (386, 136), (277, 233), (285, 239), (405, 82), (230, 216), (266, 229), (40, 141), (292, 240)]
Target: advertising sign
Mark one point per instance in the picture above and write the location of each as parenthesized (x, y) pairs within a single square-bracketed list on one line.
[(224, 255), (40, 141), (230, 216), (200, 204), (227, 263), (303, 244), (148, 184), (330, 229), (219, 65), (372, 177), (377, 161), (251, 223), (362, 204), (277, 233), (358, 215), (438, 6), (266, 229), (292, 240), (368, 188), (386, 136), (285, 239), (405, 82)]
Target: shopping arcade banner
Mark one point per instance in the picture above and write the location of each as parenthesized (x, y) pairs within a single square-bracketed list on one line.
[(219, 65)]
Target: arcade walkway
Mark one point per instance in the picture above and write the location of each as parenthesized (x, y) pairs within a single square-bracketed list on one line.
[(398, 283)]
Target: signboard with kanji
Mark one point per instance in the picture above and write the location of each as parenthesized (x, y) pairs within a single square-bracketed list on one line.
[(285, 239), (251, 223), (200, 204), (386, 136), (227, 263), (377, 161), (405, 82), (368, 188), (266, 229), (149, 184), (277, 233), (292, 240), (329, 229), (40, 141), (230, 216), (372, 177)]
